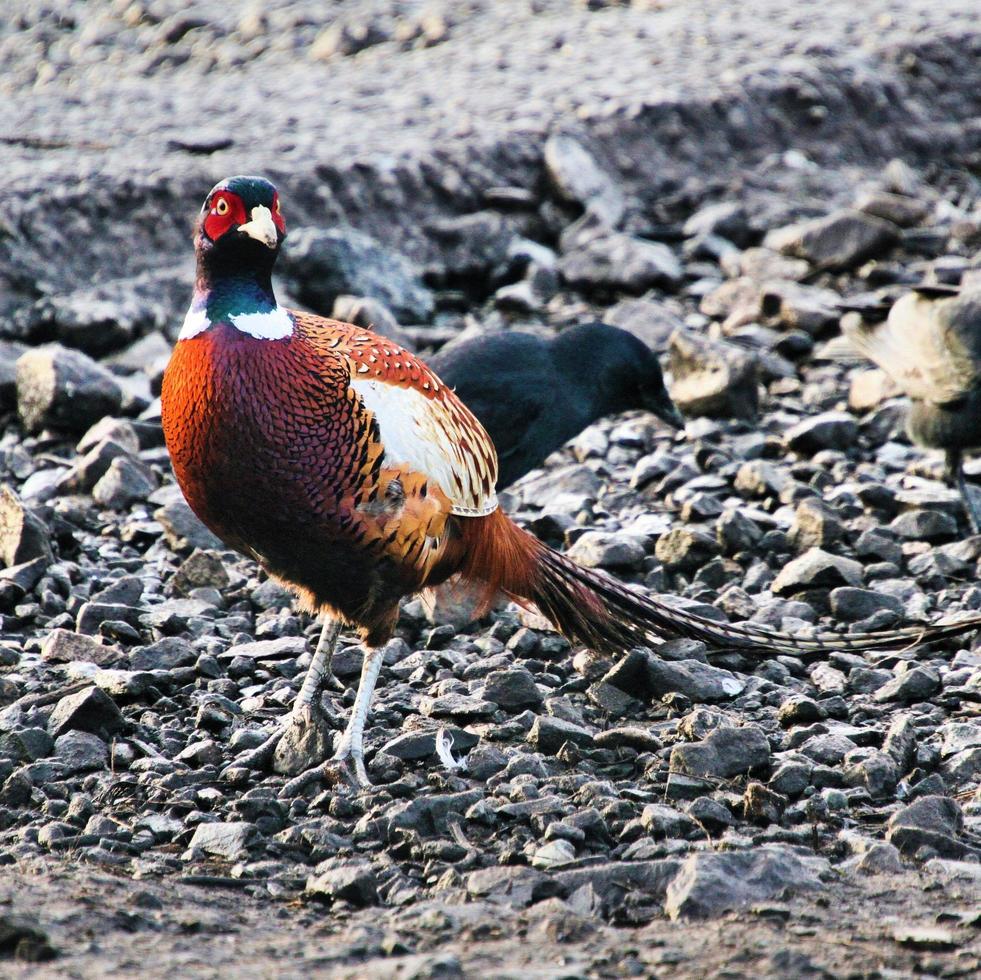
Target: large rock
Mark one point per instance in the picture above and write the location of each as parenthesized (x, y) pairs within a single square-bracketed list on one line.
[(352, 881), (839, 241), (827, 430), (816, 569), (724, 753), (64, 389), (323, 264), (930, 826), (578, 178), (620, 261), (229, 840), (710, 883), (90, 710), (23, 535), (712, 379)]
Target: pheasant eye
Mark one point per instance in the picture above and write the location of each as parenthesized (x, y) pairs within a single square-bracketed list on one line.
[(221, 206)]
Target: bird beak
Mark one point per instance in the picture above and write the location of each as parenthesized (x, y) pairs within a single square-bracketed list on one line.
[(665, 409), (261, 227)]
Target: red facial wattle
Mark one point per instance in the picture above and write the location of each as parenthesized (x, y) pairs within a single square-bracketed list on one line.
[(277, 215), (226, 211)]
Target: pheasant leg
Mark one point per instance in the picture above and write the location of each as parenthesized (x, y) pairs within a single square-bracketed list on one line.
[(347, 763), (306, 705)]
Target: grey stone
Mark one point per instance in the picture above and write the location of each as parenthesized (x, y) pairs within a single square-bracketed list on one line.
[(840, 240), (514, 886), (340, 878), (597, 549), (512, 689), (618, 261), (816, 569), (422, 744), (918, 684), (63, 646), (698, 681), (826, 430), (931, 823), (726, 752), (578, 178), (200, 569), (323, 264), (90, 710), (851, 604), (182, 530), (711, 883), (548, 734), (64, 389), (685, 549), (165, 654), (81, 752), (925, 525), (125, 482), (726, 219), (664, 821), (712, 379), (652, 322), (24, 536), (228, 840), (815, 525)]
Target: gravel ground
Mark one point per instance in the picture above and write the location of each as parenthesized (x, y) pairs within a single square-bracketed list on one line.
[(686, 812)]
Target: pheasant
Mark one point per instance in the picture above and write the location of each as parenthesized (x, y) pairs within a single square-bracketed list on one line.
[(930, 345), (346, 468), (532, 395)]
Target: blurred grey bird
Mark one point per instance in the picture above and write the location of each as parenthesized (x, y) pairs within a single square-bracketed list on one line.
[(930, 345)]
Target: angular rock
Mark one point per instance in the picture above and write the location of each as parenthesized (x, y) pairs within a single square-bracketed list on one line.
[(326, 263), (126, 481), (229, 840), (709, 883), (698, 681), (548, 734), (350, 881), (726, 752), (62, 646), (826, 430), (618, 261), (685, 549), (24, 536), (840, 240), (712, 379), (512, 689), (81, 752), (90, 710), (64, 389), (597, 549), (815, 525), (578, 178), (816, 569), (918, 684)]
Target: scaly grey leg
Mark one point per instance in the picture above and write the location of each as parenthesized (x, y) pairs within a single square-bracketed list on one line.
[(306, 701), (956, 470), (351, 745)]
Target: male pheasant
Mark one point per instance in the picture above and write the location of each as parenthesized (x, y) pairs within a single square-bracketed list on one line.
[(345, 467)]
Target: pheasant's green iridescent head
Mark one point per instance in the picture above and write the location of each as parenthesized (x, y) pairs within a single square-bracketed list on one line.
[(241, 217)]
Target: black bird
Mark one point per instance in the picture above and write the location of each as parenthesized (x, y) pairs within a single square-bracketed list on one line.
[(533, 395), (929, 343)]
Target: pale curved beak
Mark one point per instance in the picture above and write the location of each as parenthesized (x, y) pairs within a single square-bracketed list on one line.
[(261, 227)]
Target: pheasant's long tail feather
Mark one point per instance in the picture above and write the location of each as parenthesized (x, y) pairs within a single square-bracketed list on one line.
[(603, 614)]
